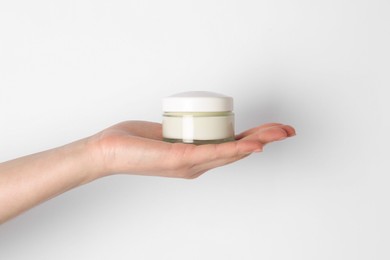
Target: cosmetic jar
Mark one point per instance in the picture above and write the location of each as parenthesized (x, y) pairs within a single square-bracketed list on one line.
[(198, 117)]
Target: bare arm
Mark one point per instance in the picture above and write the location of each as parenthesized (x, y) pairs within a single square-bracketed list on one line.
[(29, 180), (133, 147)]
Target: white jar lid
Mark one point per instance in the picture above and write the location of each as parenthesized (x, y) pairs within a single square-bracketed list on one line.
[(198, 101)]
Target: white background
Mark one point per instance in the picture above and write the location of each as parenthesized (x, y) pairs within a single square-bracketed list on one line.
[(71, 68)]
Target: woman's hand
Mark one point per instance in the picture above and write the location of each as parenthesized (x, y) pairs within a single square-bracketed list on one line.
[(136, 147), (133, 147)]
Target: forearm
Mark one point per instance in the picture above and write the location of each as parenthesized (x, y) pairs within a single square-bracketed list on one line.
[(30, 180)]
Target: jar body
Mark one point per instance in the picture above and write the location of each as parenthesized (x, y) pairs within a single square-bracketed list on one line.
[(198, 127)]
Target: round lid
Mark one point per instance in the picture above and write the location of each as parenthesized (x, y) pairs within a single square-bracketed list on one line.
[(197, 101)]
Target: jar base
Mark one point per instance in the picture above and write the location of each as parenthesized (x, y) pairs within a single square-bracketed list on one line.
[(198, 142)]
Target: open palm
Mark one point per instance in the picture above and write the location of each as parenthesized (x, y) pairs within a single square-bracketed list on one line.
[(136, 147)]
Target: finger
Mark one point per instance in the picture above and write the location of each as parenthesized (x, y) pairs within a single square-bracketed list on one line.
[(225, 153), (268, 135), (230, 152), (289, 129), (255, 129)]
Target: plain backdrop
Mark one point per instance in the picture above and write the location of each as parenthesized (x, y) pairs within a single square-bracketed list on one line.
[(69, 69)]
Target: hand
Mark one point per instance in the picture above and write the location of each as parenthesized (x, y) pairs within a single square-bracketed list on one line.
[(130, 147), (136, 147)]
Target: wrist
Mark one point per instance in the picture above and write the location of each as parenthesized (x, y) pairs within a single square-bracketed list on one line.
[(98, 155), (83, 160)]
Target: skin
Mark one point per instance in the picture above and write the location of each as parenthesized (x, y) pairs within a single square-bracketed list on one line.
[(133, 147)]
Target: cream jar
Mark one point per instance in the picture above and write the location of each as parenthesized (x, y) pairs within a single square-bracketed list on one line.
[(198, 117)]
